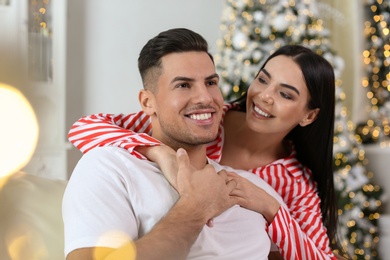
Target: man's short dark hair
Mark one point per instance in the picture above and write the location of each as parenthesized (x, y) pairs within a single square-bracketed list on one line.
[(171, 41)]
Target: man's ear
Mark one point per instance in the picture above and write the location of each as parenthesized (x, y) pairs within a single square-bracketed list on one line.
[(146, 100), (310, 117)]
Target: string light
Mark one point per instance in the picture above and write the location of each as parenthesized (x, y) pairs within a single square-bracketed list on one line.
[(377, 81)]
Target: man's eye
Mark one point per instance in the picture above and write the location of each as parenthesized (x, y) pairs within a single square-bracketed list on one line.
[(212, 83), (183, 85)]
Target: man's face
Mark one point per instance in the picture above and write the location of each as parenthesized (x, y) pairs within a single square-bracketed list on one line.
[(187, 104)]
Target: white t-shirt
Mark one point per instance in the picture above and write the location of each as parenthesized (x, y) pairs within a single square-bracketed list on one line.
[(113, 196)]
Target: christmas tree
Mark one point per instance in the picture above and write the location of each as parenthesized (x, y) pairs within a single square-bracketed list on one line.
[(251, 30), (377, 69)]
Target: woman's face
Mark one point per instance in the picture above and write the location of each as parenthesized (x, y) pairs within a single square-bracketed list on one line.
[(277, 99)]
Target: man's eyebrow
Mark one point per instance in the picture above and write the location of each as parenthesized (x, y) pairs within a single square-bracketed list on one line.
[(283, 85), (181, 78), (215, 75)]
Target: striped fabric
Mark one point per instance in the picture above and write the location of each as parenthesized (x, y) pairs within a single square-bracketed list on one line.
[(298, 233)]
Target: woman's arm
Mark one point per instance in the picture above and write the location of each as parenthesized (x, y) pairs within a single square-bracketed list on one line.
[(131, 132), (125, 131), (297, 232), (295, 241)]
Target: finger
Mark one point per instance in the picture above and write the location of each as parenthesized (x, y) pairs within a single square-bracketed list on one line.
[(232, 174), (232, 184), (210, 223), (222, 173), (182, 159), (236, 192)]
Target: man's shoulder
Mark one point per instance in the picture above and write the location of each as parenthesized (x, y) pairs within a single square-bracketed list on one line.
[(112, 163), (109, 157), (109, 151)]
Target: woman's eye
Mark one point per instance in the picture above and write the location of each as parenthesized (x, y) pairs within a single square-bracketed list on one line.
[(261, 80), (285, 95)]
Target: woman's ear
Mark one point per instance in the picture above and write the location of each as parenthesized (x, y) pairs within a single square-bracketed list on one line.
[(310, 117), (146, 100)]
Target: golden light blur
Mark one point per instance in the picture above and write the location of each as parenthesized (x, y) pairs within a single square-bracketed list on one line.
[(26, 243), (375, 57), (19, 130), (126, 251)]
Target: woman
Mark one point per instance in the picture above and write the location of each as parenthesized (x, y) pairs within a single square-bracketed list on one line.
[(281, 128)]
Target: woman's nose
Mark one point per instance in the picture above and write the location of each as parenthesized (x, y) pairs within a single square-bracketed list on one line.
[(267, 97)]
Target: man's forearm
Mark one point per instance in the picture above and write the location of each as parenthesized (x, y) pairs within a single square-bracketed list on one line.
[(174, 235), (171, 238)]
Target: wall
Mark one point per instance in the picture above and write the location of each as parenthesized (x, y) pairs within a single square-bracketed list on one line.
[(346, 26), (25, 55), (103, 42)]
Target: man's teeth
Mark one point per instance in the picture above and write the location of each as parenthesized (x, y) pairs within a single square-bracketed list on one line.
[(261, 112), (204, 116)]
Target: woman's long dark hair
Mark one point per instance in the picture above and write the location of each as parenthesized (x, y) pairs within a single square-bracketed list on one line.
[(314, 143)]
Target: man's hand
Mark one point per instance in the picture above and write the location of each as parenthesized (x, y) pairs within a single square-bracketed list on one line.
[(206, 190)]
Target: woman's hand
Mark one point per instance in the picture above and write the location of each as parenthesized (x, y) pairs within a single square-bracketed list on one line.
[(254, 198), (165, 157)]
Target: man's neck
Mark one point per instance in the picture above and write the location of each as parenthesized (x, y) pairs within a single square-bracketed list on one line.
[(197, 155), (196, 152)]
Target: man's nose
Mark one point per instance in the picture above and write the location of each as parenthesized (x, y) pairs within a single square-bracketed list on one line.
[(203, 95)]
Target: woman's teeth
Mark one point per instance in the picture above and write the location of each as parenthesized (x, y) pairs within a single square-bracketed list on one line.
[(261, 112)]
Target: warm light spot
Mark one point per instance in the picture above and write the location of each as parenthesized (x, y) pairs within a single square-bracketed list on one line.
[(16, 246), (126, 251), (25, 243), (19, 131)]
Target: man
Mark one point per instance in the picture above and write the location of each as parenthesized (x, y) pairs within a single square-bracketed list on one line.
[(113, 197)]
